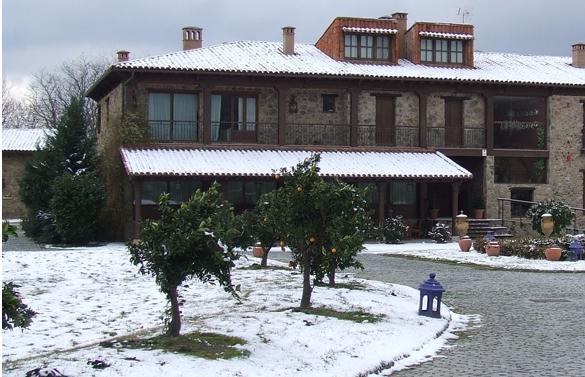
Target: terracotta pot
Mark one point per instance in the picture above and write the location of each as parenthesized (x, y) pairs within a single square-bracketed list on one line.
[(465, 243), (492, 249), (478, 213), (553, 253), (434, 213), (258, 251)]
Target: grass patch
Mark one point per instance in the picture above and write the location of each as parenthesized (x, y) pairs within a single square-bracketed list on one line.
[(257, 266), (355, 316), (206, 345), (354, 285)]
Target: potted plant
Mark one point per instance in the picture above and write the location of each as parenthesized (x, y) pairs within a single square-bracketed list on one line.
[(478, 206)]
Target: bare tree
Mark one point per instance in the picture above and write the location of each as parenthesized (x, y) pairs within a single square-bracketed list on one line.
[(15, 112), (51, 91)]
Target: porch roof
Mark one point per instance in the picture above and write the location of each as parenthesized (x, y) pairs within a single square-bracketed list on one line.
[(23, 139), (258, 162)]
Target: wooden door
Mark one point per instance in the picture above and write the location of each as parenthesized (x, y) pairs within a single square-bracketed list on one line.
[(453, 122), (385, 118)]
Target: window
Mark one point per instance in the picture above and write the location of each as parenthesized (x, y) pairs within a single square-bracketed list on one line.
[(233, 118), (402, 193), (173, 116), (180, 191), (521, 193), (246, 192), (441, 51), (329, 103), (520, 170), (519, 122), (367, 47)]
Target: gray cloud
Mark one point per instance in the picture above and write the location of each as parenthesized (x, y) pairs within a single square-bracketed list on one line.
[(42, 34)]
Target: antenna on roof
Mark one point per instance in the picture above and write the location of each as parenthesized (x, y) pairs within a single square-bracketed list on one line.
[(463, 12)]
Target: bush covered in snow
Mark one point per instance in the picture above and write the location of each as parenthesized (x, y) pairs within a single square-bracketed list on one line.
[(560, 212), (440, 233), (394, 230)]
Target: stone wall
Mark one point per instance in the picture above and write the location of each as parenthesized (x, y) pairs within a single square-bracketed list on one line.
[(12, 169), (565, 179)]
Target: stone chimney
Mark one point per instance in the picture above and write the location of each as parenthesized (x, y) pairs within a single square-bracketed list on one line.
[(401, 22), (579, 55), (192, 38), (123, 56), (288, 40)]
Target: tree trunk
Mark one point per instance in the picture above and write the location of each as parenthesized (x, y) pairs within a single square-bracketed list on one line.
[(264, 262), (175, 324), (331, 274), (306, 298)]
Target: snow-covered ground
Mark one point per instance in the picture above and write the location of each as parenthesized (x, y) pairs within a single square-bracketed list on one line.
[(87, 295), (451, 252)]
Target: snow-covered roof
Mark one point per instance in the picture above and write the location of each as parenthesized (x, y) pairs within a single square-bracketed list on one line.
[(23, 139), (253, 57), (265, 162), (352, 29), (434, 34)]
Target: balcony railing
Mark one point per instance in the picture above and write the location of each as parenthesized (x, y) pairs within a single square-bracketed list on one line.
[(233, 132), (472, 138), (395, 137), (173, 130), (317, 134)]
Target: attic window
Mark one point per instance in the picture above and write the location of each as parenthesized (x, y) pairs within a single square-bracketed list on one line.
[(367, 46), (441, 51)]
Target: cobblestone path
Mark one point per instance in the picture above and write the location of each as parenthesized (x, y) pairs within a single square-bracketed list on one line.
[(532, 323)]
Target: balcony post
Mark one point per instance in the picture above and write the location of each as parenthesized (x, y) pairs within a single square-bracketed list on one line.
[(282, 94), (422, 119), (489, 123), (206, 126), (137, 206), (455, 186), (381, 202), (354, 119)]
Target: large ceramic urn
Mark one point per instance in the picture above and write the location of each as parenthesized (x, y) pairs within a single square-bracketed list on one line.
[(547, 224)]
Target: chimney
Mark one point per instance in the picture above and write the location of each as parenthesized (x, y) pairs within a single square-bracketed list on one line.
[(579, 55), (401, 19), (123, 56), (288, 40), (192, 38)]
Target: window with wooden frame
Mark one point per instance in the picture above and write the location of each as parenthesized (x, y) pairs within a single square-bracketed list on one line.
[(441, 51), (179, 191), (367, 46), (329, 103), (173, 116), (233, 117)]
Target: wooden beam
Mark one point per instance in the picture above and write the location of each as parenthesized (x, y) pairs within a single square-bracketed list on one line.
[(455, 188), (381, 202), (137, 206), (282, 94), (206, 123), (354, 121), (489, 123), (422, 119)]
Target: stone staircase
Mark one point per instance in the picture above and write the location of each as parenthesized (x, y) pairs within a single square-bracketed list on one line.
[(479, 227)]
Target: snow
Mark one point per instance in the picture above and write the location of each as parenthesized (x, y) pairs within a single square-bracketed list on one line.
[(352, 29), (267, 58), (23, 139), (435, 34), (451, 252), (265, 162), (88, 295)]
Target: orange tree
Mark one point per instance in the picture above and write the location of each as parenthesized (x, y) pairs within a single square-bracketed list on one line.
[(325, 223), (195, 240)]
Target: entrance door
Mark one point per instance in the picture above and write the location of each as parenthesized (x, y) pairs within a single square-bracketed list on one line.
[(453, 122), (385, 115)]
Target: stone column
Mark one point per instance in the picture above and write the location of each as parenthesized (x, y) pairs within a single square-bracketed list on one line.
[(422, 119), (206, 126)]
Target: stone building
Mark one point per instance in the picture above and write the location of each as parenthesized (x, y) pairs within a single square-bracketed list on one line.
[(17, 148), (512, 122)]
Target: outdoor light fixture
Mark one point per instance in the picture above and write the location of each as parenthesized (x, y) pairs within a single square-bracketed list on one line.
[(431, 292)]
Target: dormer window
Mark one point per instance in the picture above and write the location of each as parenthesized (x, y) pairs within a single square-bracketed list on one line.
[(367, 46), (441, 51)]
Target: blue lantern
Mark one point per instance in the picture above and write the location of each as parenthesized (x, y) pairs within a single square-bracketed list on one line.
[(431, 292), (576, 250), (489, 236)]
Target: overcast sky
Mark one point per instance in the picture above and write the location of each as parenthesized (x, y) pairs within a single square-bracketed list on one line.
[(41, 34)]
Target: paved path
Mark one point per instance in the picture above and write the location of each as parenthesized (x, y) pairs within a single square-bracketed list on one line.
[(533, 323)]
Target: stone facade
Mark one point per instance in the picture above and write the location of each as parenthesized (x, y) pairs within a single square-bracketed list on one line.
[(12, 169), (565, 163)]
